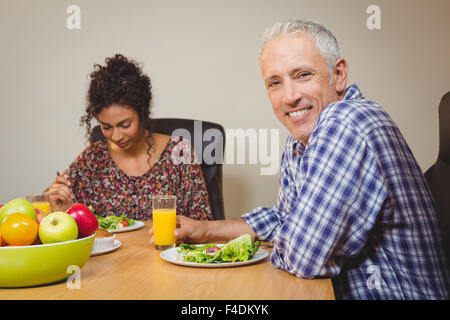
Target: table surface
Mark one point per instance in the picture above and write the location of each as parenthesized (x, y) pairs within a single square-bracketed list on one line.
[(136, 271)]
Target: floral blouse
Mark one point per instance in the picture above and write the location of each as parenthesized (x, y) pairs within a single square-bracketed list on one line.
[(96, 180)]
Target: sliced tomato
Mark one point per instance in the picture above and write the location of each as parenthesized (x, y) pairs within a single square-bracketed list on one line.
[(124, 222)]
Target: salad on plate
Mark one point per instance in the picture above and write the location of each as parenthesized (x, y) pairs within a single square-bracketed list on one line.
[(237, 250), (114, 222)]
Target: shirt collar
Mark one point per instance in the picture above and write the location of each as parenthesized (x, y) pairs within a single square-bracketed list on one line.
[(351, 93), (297, 146)]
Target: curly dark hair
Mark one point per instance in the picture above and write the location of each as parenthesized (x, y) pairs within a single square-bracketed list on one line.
[(122, 82)]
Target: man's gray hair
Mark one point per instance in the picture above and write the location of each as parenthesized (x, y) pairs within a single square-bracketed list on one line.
[(324, 40)]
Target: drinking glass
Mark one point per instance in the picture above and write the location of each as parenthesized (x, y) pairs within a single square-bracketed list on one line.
[(164, 221), (40, 200)]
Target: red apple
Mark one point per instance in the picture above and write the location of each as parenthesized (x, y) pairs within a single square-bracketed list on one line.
[(85, 219), (39, 215), (37, 241)]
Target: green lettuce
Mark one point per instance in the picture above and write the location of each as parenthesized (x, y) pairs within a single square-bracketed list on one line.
[(200, 254), (239, 249), (112, 222)]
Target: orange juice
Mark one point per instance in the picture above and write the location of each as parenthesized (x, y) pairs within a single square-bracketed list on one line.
[(43, 206), (164, 225)]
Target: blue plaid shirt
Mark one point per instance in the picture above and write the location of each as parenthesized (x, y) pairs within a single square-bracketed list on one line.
[(353, 205)]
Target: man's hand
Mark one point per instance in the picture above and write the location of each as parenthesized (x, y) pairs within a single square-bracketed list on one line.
[(194, 231), (188, 230), (191, 231)]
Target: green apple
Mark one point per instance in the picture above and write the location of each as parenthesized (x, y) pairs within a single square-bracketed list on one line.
[(57, 227), (17, 205)]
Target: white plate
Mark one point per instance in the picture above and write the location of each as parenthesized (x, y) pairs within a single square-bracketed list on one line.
[(116, 245), (171, 255), (137, 225)]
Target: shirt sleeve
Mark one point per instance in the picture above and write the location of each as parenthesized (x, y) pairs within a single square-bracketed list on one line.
[(266, 221), (79, 174), (341, 195)]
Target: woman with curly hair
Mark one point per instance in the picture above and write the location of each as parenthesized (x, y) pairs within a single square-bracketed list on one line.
[(119, 175)]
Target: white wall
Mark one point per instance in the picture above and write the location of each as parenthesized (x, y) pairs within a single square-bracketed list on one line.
[(202, 58)]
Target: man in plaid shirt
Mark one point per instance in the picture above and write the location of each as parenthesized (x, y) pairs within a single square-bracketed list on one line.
[(353, 204)]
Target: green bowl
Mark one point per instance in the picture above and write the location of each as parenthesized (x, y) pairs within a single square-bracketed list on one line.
[(42, 264)]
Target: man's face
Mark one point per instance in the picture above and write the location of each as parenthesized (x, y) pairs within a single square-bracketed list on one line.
[(297, 82)]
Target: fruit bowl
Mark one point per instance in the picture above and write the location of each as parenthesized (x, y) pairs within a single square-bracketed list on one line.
[(33, 265)]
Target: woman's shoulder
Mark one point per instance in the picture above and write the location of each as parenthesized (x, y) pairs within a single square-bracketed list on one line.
[(96, 149), (180, 141), (182, 151), (170, 142), (93, 153)]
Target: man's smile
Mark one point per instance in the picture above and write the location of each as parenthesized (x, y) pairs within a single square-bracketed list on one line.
[(299, 114)]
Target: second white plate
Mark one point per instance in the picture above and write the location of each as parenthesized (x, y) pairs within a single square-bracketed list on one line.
[(137, 225), (116, 246)]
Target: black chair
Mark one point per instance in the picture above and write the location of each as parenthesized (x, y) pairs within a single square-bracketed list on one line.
[(438, 175), (195, 130)]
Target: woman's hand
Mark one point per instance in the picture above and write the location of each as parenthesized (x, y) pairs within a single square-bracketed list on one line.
[(188, 230), (60, 194)]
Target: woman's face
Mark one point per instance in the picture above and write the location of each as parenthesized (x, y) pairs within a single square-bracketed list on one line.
[(120, 125)]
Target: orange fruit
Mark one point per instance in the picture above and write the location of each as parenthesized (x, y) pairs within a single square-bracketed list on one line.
[(19, 229)]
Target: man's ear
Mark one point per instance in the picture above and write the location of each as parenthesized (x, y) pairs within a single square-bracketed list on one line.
[(341, 74)]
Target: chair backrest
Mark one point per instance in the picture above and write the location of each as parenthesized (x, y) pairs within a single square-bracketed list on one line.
[(204, 136), (438, 176)]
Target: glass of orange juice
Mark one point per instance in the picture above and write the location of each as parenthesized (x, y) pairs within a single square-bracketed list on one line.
[(164, 221), (40, 201)]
